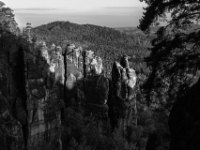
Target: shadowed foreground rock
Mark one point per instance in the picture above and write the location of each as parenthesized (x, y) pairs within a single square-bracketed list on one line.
[(30, 93), (184, 121)]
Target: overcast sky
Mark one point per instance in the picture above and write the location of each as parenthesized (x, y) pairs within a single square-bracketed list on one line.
[(111, 13)]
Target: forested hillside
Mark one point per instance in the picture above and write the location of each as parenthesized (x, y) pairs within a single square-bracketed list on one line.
[(106, 42)]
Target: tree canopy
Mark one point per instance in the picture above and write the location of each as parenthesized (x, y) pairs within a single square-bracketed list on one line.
[(7, 21), (175, 51)]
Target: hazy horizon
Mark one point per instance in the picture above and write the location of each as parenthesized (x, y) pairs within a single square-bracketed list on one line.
[(110, 17), (112, 13)]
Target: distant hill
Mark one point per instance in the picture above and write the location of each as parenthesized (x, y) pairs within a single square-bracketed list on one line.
[(134, 30), (127, 29), (108, 43)]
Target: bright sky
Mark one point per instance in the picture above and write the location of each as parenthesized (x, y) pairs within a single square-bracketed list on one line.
[(112, 13), (79, 4)]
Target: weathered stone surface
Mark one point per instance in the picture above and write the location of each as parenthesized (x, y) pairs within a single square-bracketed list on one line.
[(87, 58), (96, 65), (71, 81), (123, 100), (45, 55), (123, 86), (43, 97), (48, 77)]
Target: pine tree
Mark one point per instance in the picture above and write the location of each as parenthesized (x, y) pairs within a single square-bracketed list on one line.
[(7, 20), (175, 51)]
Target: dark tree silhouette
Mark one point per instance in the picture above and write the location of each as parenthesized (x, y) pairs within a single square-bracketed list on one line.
[(175, 51)]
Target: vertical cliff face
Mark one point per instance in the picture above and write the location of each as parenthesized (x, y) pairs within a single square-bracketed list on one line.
[(43, 97), (123, 93), (28, 94)]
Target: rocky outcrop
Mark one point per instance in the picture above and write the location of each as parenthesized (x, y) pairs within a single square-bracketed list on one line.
[(42, 96), (41, 79), (29, 92), (123, 101)]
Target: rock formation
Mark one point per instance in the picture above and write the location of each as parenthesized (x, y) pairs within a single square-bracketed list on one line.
[(123, 101), (42, 78)]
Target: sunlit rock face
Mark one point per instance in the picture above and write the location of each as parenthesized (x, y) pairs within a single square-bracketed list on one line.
[(70, 82), (56, 63), (122, 72), (130, 73), (52, 67), (131, 77), (45, 55), (97, 65), (128, 88), (53, 58)]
